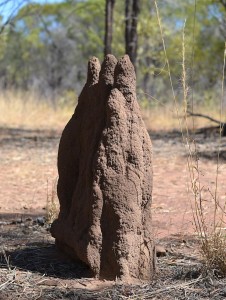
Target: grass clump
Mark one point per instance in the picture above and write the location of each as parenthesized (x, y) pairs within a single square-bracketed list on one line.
[(214, 252), (52, 205), (213, 242), (208, 227)]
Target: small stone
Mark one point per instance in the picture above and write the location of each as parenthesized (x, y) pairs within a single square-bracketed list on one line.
[(41, 221), (160, 251)]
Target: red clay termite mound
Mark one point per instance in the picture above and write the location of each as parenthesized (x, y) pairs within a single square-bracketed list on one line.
[(105, 177)]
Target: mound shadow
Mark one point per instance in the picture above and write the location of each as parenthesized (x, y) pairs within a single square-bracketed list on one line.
[(44, 258)]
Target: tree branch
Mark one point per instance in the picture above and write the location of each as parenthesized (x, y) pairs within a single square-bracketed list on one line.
[(191, 114), (223, 2), (16, 5)]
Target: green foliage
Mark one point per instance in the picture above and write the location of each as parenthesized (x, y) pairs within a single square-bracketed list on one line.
[(47, 46)]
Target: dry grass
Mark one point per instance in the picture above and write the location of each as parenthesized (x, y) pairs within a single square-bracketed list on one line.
[(211, 228), (212, 241), (214, 252), (52, 205), (160, 118), (27, 110), (164, 117)]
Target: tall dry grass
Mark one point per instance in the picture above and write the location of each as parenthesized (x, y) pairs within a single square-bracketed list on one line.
[(211, 230), (52, 203), (165, 118), (27, 110)]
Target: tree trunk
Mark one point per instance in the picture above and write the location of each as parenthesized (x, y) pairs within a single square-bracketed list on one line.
[(223, 2), (127, 25), (132, 9), (109, 8)]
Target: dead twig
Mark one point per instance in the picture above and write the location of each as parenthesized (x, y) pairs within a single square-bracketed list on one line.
[(3, 285), (191, 114)]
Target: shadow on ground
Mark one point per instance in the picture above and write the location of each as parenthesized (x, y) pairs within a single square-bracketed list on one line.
[(213, 155), (20, 136), (26, 244), (205, 143), (44, 259)]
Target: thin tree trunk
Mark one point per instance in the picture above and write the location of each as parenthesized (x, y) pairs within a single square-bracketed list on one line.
[(133, 34), (109, 8), (127, 25), (132, 9), (223, 2)]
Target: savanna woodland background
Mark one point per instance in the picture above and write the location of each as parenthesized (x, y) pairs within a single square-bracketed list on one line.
[(45, 46), (178, 50)]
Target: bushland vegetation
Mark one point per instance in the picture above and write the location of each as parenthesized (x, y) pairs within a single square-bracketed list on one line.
[(45, 46)]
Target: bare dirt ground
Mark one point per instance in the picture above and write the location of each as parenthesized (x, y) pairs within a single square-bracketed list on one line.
[(32, 268)]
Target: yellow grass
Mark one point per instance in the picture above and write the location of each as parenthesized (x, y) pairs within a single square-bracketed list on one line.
[(26, 110), (166, 118), (52, 205)]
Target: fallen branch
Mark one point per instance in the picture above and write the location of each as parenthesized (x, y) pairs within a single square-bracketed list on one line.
[(191, 114)]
